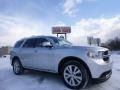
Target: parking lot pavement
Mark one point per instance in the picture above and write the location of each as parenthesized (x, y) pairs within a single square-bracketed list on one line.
[(34, 80)]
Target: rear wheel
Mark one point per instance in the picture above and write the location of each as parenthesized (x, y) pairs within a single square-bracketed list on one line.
[(17, 67), (75, 75)]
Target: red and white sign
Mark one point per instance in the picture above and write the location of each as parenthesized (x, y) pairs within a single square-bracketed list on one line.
[(61, 30)]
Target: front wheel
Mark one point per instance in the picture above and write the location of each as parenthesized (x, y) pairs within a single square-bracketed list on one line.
[(75, 75)]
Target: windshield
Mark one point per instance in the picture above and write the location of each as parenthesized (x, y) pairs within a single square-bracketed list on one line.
[(60, 42)]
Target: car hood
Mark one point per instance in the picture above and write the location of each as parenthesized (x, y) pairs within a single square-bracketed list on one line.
[(92, 48)]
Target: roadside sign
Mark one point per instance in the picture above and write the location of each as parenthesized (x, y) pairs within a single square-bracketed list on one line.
[(61, 30)]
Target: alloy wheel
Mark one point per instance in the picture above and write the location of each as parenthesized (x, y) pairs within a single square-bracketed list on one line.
[(72, 75)]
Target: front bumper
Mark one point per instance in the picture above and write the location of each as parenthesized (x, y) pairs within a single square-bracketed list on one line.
[(106, 75), (100, 68)]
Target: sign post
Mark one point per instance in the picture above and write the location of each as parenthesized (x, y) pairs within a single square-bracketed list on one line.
[(61, 30)]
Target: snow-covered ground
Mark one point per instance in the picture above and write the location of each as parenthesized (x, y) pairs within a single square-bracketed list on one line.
[(34, 80)]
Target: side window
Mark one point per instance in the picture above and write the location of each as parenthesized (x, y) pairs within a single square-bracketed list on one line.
[(18, 44), (30, 43), (40, 41)]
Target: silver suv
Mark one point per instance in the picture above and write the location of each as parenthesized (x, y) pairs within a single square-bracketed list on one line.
[(76, 64)]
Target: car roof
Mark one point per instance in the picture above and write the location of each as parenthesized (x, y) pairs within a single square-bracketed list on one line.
[(37, 37), (41, 36)]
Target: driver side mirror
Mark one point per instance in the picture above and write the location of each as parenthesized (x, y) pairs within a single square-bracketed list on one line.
[(47, 44)]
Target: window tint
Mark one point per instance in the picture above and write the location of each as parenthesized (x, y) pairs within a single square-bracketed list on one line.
[(56, 40), (30, 43), (18, 44), (39, 42), (60, 42)]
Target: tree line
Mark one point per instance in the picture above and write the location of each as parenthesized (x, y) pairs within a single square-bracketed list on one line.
[(112, 44)]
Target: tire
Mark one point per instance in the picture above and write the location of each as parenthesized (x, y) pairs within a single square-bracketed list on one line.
[(75, 75), (17, 67)]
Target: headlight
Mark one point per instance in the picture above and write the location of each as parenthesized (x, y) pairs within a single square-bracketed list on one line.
[(92, 54)]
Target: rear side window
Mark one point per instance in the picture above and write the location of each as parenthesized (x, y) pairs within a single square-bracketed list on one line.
[(30, 43), (18, 44)]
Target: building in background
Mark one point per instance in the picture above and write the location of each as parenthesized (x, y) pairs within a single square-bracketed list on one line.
[(94, 41), (5, 50)]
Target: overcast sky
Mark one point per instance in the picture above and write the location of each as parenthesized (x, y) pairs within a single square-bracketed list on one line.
[(23, 18)]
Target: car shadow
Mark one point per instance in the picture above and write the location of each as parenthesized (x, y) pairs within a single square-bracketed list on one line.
[(42, 76), (55, 78)]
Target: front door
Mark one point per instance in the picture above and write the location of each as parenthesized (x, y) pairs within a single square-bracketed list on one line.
[(44, 55)]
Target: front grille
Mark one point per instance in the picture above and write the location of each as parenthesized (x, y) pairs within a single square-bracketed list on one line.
[(105, 53), (106, 56), (106, 59)]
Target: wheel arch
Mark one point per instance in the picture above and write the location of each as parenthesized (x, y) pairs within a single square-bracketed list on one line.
[(66, 59), (14, 58)]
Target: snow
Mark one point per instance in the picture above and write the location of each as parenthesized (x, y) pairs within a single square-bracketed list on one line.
[(34, 80)]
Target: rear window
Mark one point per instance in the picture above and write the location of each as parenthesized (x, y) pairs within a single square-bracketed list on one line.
[(18, 44), (30, 43)]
